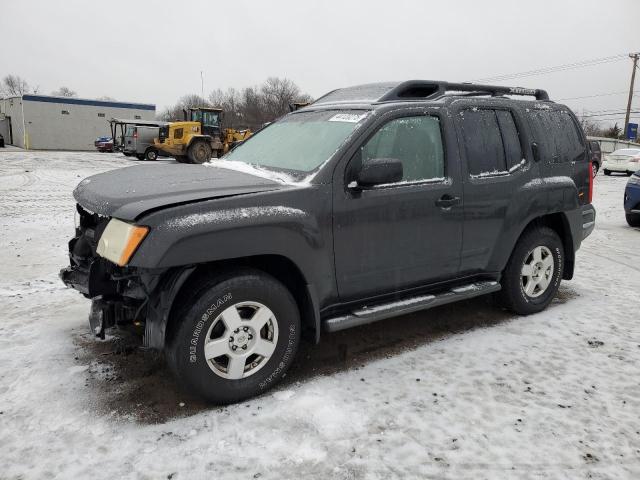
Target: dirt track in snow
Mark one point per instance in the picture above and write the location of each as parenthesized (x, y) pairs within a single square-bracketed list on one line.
[(462, 391)]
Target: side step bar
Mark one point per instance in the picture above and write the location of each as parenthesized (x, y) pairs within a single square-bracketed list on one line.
[(374, 313)]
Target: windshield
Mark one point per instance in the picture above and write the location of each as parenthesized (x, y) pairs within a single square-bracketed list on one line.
[(300, 142), (130, 130)]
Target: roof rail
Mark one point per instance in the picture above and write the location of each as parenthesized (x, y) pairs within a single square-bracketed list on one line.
[(432, 89)]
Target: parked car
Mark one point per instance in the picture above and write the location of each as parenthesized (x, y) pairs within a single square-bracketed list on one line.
[(625, 160), (138, 142), (227, 268), (1, 141), (632, 200), (596, 156), (104, 144)]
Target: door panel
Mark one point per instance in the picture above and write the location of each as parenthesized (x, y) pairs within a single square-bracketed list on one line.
[(492, 152), (394, 237)]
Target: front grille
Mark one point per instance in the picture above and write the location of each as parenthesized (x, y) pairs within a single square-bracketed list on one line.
[(163, 133)]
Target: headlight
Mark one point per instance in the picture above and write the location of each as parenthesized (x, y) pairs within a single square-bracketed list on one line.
[(634, 179), (120, 240)]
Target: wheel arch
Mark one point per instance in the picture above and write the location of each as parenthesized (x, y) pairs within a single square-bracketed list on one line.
[(559, 223), (280, 267)]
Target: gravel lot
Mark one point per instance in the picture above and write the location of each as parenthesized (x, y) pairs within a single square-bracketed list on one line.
[(462, 391)]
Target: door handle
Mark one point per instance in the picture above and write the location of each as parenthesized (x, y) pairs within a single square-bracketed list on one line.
[(447, 201)]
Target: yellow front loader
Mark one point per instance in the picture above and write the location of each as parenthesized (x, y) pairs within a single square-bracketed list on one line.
[(200, 137)]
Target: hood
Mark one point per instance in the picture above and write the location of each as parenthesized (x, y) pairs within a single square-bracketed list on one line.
[(127, 193)]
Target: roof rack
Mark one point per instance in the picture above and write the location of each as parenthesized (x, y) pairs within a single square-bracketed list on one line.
[(433, 89), (419, 90)]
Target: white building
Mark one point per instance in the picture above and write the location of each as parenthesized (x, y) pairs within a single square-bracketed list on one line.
[(42, 122)]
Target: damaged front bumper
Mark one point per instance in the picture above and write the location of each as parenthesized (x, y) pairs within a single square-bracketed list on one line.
[(120, 296)]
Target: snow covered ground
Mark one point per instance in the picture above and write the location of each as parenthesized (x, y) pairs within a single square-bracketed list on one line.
[(463, 392)]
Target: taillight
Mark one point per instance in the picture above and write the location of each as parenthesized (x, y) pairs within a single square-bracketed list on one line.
[(590, 181), (635, 159), (135, 134)]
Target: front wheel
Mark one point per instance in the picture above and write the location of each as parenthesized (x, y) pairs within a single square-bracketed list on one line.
[(235, 337), (607, 172), (594, 169), (533, 273)]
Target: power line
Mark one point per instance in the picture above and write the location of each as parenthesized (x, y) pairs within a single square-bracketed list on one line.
[(606, 114), (597, 95), (554, 69)]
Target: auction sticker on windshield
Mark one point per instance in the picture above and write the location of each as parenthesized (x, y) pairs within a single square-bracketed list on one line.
[(347, 117)]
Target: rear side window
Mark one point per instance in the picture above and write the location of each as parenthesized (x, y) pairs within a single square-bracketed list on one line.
[(557, 135)]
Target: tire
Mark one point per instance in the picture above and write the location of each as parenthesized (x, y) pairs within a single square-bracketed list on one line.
[(594, 169), (199, 152), (182, 159), (607, 172), (633, 219), (140, 156), (521, 293), (151, 154), (629, 173), (216, 314)]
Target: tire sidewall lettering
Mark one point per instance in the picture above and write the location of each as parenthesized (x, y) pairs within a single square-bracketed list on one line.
[(204, 319)]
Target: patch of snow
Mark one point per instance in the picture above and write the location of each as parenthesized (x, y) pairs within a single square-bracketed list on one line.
[(551, 395), (255, 170), (224, 216)]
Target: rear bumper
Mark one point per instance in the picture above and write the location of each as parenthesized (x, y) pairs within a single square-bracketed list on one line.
[(614, 166), (588, 214)]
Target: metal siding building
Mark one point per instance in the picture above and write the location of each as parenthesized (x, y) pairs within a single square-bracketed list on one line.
[(43, 122)]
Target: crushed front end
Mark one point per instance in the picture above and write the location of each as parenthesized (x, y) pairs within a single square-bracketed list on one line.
[(121, 296)]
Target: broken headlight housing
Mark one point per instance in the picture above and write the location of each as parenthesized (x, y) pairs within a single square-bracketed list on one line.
[(120, 240)]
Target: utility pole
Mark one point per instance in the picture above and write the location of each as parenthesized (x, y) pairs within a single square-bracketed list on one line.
[(634, 56)]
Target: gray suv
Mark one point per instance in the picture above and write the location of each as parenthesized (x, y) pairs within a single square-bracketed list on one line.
[(372, 202)]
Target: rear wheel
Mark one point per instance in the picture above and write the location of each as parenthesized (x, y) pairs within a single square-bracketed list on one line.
[(594, 169), (607, 172), (199, 152), (633, 219), (235, 337), (533, 273)]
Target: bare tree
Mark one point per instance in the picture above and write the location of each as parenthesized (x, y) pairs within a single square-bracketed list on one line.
[(590, 127), (250, 107), (14, 86), (64, 92), (176, 112), (613, 132), (278, 94)]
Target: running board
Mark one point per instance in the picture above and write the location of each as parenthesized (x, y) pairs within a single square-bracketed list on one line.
[(374, 313)]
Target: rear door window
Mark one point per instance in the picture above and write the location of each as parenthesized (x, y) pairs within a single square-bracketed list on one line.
[(482, 142), (510, 138)]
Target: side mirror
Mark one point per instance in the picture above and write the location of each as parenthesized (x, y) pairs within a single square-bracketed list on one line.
[(535, 149), (378, 171)]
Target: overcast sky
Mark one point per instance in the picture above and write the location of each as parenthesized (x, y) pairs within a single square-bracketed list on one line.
[(153, 51)]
